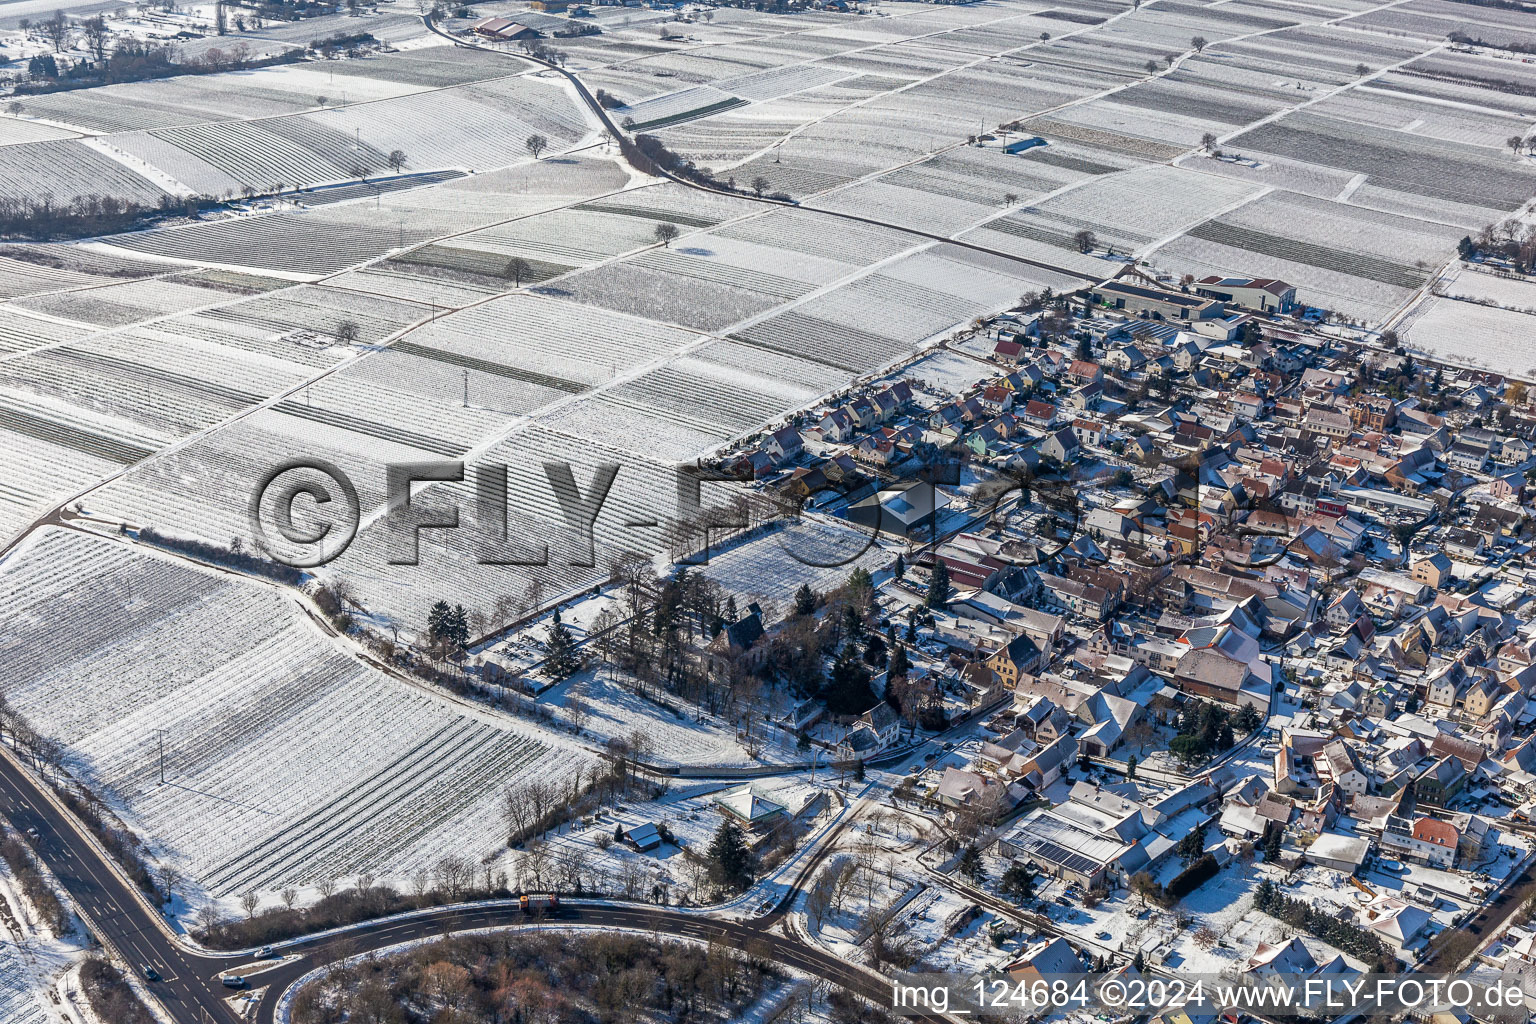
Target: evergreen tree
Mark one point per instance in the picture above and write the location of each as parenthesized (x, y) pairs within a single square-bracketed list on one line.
[(1192, 846), (899, 567), (858, 770), (805, 600), (847, 689), (938, 586), (901, 665), (563, 659), (1130, 766), (730, 860), (1018, 884), (730, 608), (668, 607), (618, 833), (910, 636), (875, 650), (853, 623), (447, 625), (861, 589), (970, 864)]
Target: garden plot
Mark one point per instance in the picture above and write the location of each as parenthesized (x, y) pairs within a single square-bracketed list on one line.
[(660, 292), (696, 101), (532, 338), (1517, 293), (925, 211), (66, 169), (20, 277), (15, 130), (119, 304), (561, 238), (713, 396), (307, 244), (293, 151), (781, 81), (447, 129), (1468, 334), (1396, 160), (611, 708), (287, 761), (946, 371), (617, 425), (168, 387), (796, 231), (805, 374), (19, 333), (50, 450), (1134, 208), (1357, 261), (425, 285), (432, 67)]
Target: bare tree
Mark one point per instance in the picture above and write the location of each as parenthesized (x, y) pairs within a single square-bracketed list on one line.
[(666, 233), (517, 268), (290, 897), (759, 186), (536, 144), (346, 332), (57, 30), (249, 902), (1208, 141), (1085, 241), (396, 159), (96, 36), (1515, 143), (1010, 198), (1198, 42)]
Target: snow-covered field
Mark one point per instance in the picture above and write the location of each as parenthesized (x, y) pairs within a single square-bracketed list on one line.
[(1470, 334), (286, 759), (769, 569)]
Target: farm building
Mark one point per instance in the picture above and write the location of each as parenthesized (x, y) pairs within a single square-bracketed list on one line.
[(1136, 299), (1262, 293), (643, 837), (504, 29)]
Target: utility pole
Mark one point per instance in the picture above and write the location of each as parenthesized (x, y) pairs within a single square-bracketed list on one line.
[(466, 389), (160, 735)]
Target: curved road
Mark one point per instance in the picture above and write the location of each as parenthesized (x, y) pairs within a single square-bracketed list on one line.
[(189, 987)]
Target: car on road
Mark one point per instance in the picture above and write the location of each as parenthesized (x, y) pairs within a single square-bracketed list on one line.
[(150, 974), (232, 981), (32, 832), (765, 906), (264, 951)]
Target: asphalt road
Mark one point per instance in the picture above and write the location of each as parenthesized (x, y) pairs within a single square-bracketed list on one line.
[(189, 985)]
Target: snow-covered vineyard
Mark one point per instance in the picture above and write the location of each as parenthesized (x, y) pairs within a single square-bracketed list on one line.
[(410, 280), (286, 762)]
